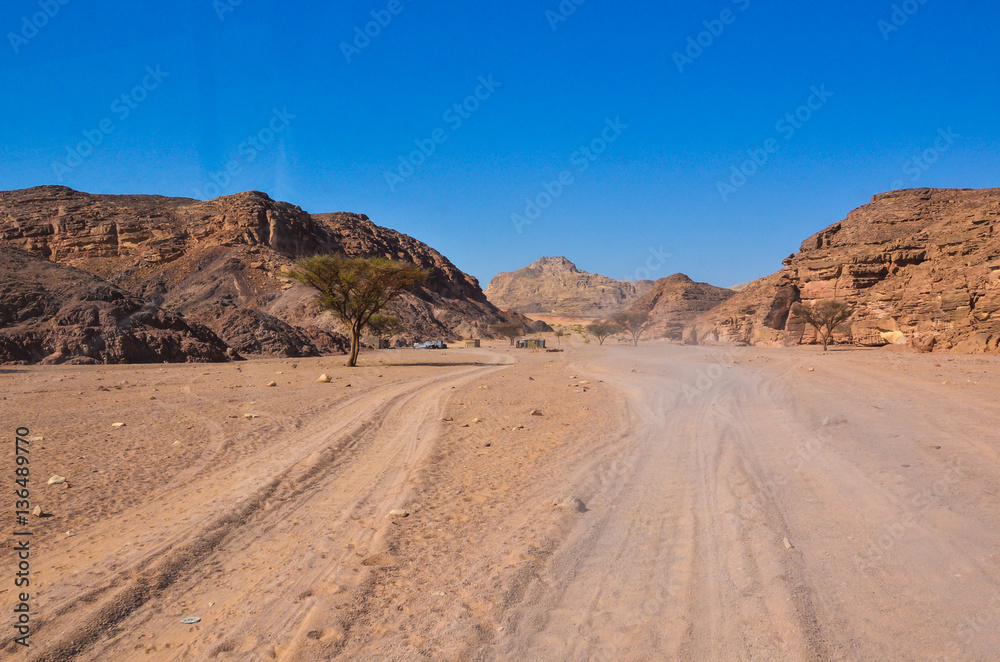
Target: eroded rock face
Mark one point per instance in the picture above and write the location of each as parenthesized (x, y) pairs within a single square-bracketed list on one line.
[(225, 263), (921, 266), (554, 286), (674, 303), (50, 313)]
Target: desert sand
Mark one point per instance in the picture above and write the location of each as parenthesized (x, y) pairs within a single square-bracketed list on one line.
[(669, 503)]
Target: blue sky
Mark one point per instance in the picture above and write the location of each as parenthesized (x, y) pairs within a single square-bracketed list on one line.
[(164, 97)]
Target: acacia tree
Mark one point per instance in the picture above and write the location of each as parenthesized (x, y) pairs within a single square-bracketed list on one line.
[(509, 330), (824, 316), (559, 333), (634, 324), (602, 330), (355, 289)]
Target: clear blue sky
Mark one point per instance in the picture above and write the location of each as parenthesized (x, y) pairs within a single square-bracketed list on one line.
[(656, 185)]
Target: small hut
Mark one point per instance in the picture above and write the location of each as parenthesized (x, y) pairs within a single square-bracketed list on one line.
[(530, 343)]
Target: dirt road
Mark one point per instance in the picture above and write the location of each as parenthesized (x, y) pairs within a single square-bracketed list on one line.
[(664, 503)]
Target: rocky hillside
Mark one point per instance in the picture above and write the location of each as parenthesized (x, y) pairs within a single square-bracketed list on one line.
[(554, 286), (675, 302), (224, 263), (50, 313), (921, 266)]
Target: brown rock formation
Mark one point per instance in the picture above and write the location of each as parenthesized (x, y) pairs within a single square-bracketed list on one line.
[(674, 303), (225, 262), (554, 286), (50, 313), (921, 267)]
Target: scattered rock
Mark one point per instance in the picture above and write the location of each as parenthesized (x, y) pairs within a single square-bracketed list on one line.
[(190, 620), (447, 419), (398, 512), (572, 503), (477, 420), (347, 386), (323, 379), (37, 512), (56, 480), (70, 534), (251, 416), (536, 412), (117, 425), (788, 545), (272, 384)]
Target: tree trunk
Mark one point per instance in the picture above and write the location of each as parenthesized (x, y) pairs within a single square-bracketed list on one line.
[(824, 341), (352, 362)]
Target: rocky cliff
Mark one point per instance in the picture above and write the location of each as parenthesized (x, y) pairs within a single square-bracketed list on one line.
[(225, 263), (921, 267), (50, 313), (554, 286), (675, 302)]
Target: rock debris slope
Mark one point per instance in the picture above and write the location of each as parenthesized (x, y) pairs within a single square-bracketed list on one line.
[(225, 263), (50, 313)]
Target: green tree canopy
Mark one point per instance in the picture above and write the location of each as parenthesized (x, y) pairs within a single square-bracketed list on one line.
[(355, 289)]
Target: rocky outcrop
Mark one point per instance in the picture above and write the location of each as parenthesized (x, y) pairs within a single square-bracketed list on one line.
[(225, 263), (675, 302), (554, 286), (921, 267), (50, 313)]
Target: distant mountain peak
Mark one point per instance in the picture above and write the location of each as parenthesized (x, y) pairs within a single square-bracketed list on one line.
[(555, 286), (552, 264)]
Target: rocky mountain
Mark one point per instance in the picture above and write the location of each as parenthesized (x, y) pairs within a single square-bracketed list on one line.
[(50, 313), (675, 302), (225, 263), (921, 267), (554, 286)]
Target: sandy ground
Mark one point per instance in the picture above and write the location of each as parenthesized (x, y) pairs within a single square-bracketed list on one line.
[(669, 503)]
